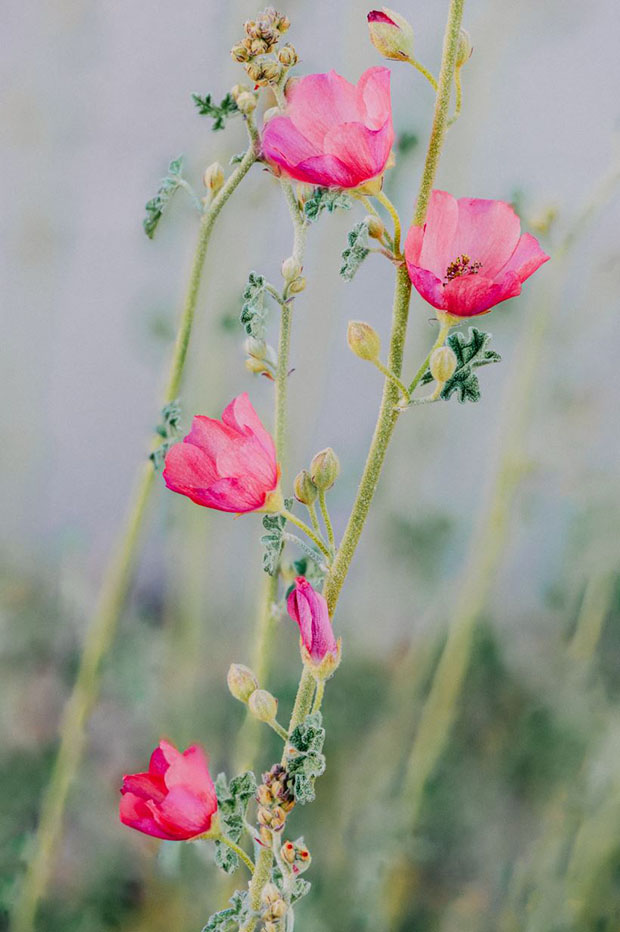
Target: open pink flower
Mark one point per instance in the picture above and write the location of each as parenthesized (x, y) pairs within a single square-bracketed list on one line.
[(470, 254), (229, 465), (175, 800), (309, 609), (333, 133)]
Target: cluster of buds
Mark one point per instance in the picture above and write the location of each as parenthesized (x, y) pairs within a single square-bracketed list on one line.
[(262, 358), (296, 855), (274, 908), (261, 39), (294, 280), (245, 98), (275, 800)]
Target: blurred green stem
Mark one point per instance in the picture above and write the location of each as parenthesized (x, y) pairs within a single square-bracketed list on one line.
[(101, 631)]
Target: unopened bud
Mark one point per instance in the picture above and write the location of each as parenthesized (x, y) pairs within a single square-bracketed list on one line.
[(246, 102), (288, 56), (270, 894), (241, 681), (279, 909), (376, 229), (465, 49), (237, 90), (391, 34), (291, 269), (240, 52), (213, 177), (324, 469), (270, 113), (257, 367), (280, 21), (363, 340), (304, 488), (262, 72), (297, 285), (263, 705), (442, 363), (256, 348), (288, 852)]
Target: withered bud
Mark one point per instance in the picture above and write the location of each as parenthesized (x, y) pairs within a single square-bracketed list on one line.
[(213, 177), (246, 102), (363, 340), (264, 795), (278, 910), (442, 363), (240, 52), (376, 228), (262, 72), (465, 49), (304, 488), (270, 894), (263, 815), (241, 681), (265, 835), (263, 705), (324, 469), (288, 56)]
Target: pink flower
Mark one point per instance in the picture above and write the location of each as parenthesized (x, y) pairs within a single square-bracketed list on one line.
[(333, 133), (309, 609), (175, 799), (229, 465), (470, 254)]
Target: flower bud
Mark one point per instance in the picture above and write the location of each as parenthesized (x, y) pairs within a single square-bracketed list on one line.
[(270, 114), (262, 72), (258, 367), (270, 894), (288, 56), (279, 909), (291, 269), (240, 52), (376, 229), (442, 363), (363, 340), (391, 34), (246, 102), (256, 348), (465, 49), (324, 469), (213, 177), (288, 852), (297, 285), (263, 705), (241, 681), (237, 90), (304, 488)]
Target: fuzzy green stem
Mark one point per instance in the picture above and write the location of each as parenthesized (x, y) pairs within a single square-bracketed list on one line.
[(261, 875), (249, 863), (314, 518), (386, 202), (459, 97), (279, 730), (318, 698), (444, 329), (394, 378), (303, 701), (423, 71), (442, 105), (326, 518), (307, 531), (114, 590)]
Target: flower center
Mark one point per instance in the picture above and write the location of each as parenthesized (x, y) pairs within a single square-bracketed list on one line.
[(462, 265)]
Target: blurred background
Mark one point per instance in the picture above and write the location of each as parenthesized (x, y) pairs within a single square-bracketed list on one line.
[(498, 518)]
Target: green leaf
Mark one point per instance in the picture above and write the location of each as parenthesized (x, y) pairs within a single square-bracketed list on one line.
[(226, 859), (243, 787), (328, 199), (471, 353), (356, 252), (232, 801), (273, 542), (218, 112), (230, 919), (306, 762), (156, 206), (167, 429), (253, 311), (301, 888)]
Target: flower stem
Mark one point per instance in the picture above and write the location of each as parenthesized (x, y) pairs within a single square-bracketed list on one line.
[(279, 730), (459, 97), (307, 531), (318, 699), (394, 378), (262, 872), (326, 519), (313, 517), (249, 863), (387, 415), (384, 199), (442, 105), (303, 702), (113, 593), (444, 329), (423, 71)]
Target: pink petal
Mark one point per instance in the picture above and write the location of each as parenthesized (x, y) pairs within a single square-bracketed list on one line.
[(351, 144), (375, 16), (373, 91), (437, 250), (471, 295), (191, 769), (317, 102), (240, 414), (136, 813), (237, 495), (527, 257), (182, 814), (209, 434), (162, 757), (325, 171), (285, 145), (427, 285), (188, 468), (144, 785), (487, 231)]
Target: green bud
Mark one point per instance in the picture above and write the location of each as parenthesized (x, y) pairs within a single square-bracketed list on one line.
[(213, 177), (391, 34), (246, 102), (324, 469), (305, 489), (465, 49), (291, 269), (297, 285), (442, 363), (241, 681), (363, 340), (263, 705)]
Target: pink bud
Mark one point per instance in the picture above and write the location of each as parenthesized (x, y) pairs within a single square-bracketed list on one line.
[(309, 609), (175, 800)]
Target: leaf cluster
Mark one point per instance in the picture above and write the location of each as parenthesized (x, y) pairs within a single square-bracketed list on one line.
[(328, 199), (219, 113), (253, 311), (167, 429), (273, 540), (471, 353), (356, 251), (231, 918), (156, 206), (305, 759), (232, 803)]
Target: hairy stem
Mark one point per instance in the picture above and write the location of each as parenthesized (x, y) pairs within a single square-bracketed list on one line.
[(307, 531), (249, 863), (261, 875), (113, 593), (444, 329), (327, 519)]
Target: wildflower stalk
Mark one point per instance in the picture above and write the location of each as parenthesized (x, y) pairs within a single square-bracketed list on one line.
[(102, 629)]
